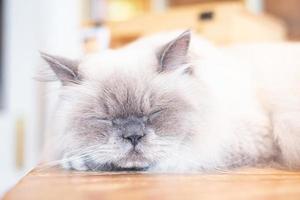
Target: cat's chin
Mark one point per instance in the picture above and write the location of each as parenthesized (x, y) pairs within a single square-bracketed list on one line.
[(126, 169), (126, 166), (133, 162), (79, 165)]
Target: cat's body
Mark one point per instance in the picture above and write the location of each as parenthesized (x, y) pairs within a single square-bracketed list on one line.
[(173, 105)]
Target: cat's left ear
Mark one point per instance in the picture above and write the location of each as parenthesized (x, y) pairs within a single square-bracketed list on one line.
[(174, 53), (65, 69)]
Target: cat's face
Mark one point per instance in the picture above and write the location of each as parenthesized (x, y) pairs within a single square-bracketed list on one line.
[(126, 119)]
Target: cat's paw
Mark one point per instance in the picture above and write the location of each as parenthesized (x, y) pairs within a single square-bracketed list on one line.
[(78, 164)]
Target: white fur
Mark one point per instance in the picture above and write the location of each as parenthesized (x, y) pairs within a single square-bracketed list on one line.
[(250, 108)]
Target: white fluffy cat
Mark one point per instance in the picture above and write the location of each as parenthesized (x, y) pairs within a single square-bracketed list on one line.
[(173, 102)]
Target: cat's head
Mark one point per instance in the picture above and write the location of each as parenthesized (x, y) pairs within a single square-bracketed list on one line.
[(131, 108)]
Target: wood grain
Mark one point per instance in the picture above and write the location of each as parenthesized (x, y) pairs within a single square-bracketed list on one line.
[(252, 184)]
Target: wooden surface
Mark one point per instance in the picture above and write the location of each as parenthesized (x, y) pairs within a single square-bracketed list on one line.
[(252, 184), (289, 12), (186, 2)]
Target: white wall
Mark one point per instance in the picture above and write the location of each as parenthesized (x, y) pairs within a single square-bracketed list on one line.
[(30, 26), (19, 43)]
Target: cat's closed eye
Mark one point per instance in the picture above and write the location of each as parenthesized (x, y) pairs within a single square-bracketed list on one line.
[(153, 115), (103, 120)]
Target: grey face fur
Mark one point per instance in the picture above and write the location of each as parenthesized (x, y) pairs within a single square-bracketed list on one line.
[(128, 122)]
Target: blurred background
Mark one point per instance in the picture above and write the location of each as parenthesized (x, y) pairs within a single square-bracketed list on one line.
[(76, 27)]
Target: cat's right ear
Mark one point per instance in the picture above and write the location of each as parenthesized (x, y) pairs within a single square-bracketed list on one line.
[(65, 69), (174, 54)]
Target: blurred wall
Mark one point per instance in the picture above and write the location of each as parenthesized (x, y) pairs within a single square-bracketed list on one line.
[(30, 26)]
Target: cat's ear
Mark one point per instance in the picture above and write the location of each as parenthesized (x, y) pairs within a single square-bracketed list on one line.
[(174, 53), (65, 69)]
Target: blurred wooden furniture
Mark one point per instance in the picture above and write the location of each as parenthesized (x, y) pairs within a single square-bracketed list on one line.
[(250, 184), (223, 23), (185, 2), (289, 12)]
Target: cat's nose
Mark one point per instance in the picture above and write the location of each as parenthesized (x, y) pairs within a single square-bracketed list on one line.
[(134, 138), (133, 130)]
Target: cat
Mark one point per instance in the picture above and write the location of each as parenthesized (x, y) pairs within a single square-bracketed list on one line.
[(168, 102)]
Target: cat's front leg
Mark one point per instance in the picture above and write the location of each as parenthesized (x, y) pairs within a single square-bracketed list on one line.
[(79, 164)]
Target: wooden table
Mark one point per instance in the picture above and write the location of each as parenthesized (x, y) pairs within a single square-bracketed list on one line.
[(252, 184)]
